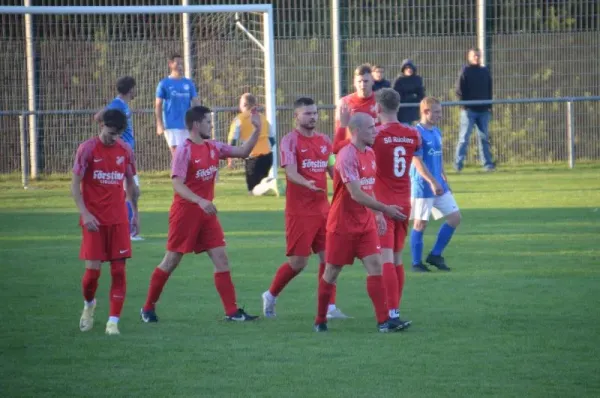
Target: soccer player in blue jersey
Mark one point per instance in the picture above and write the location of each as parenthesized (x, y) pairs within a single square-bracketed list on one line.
[(126, 92), (175, 94), (431, 194)]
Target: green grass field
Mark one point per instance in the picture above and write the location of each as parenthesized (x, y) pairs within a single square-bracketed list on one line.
[(518, 316)]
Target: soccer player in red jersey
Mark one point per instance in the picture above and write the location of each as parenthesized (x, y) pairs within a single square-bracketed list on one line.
[(362, 100), (394, 147), (304, 155), (101, 166), (352, 229), (193, 223)]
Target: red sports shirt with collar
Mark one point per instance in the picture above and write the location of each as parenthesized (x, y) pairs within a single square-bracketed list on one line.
[(394, 147), (311, 156), (356, 104), (198, 164), (347, 216), (104, 169)]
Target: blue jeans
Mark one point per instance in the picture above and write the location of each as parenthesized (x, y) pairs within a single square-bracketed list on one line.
[(468, 120)]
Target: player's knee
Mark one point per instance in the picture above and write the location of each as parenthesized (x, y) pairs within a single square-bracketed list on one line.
[(420, 225), (331, 273), (219, 259), (454, 219), (170, 262), (298, 263), (373, 264)]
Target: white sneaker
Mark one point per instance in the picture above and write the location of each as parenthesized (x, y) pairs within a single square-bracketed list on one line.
[(336, 314), (86, 322), (269, 305), (112, 328), (136, 238)]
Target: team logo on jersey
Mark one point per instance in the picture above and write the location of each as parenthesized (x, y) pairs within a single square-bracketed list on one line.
[(323, 149), (373, 165), (186, 87), (120, 160), (212, 154)]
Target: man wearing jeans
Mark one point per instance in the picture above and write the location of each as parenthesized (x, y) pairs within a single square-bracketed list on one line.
[(474, 83)]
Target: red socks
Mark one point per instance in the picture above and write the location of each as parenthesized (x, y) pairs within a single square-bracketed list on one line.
[(334, 291), (284, 275), (118, 287), (157, 283), (377, 294), (400, 277), (390, 283), (226, 290), (323, 300), (89, 283)]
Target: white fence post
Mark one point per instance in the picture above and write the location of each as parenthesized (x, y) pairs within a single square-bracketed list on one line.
[(571, 133), (31, 89)]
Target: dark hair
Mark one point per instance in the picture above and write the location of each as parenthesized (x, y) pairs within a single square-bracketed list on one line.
[(125, 84), (195, 114), (303, 101), (173, 56), (115, 118), (363, 70), (473, 49)]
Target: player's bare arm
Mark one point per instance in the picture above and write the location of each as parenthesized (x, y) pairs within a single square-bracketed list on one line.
[(291, 171), (158, 104), (342, 134), (244, 150), (182, 190), (87, 218), (380, 220), (358, 195), (426, 174)]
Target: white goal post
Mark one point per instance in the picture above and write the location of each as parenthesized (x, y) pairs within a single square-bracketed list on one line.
[(265, 44)]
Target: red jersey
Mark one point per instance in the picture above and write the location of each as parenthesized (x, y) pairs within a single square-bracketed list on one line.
[(394, 146), (356, 104), (198, 164), (311, 155), (103, 169), (346, 215)]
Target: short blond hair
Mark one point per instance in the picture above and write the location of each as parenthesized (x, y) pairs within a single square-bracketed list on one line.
[(363, 70), (388, 99), (427, 103)]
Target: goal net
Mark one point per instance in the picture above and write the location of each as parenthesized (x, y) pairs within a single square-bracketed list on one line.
[(80, 52)]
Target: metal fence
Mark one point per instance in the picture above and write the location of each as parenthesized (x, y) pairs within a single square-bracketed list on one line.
[(534, 48)]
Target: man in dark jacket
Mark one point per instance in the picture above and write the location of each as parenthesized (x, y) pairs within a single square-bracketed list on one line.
[(379, 80), (411, 89), (474, 83)]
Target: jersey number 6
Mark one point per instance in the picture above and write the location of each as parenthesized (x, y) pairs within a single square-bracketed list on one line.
[(399, 161)]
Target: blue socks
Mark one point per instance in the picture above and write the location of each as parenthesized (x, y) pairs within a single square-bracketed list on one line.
[(416, 246), (444, 235)]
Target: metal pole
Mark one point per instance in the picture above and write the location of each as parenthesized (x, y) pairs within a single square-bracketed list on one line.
[(571, 134), (271, 95), (187, 42), (24, 157), (481, 30), (31, 105), (336, 50)]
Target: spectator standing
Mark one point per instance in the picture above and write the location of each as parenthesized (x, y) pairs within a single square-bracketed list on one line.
[(379, 80), (411, 89)]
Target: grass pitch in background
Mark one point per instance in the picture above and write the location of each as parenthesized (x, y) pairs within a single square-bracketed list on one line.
[(517, 316)]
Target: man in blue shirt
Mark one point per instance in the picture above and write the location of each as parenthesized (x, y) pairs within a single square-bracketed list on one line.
[(126, 93), (430, 193), (175, 94)]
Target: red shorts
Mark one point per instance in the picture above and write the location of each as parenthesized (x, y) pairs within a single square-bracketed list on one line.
[(304, 235), (110, 242), (395, 234), (342, 249), (191, 230)]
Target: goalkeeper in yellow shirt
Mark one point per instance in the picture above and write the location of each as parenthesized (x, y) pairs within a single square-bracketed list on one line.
[(260, 161)]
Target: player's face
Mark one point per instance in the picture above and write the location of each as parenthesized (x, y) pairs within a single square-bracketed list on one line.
[(204, 127), (307, 117), (363, 84), (133, 93), (176, 65), (474, 57), (109, 135), (367, 133), (434, 115)]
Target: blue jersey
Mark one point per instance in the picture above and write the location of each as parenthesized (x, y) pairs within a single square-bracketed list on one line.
[(431, 151), (121, 105), (177, 97)]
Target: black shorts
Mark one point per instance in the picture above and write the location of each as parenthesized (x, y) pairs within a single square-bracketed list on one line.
[(258, 168)]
